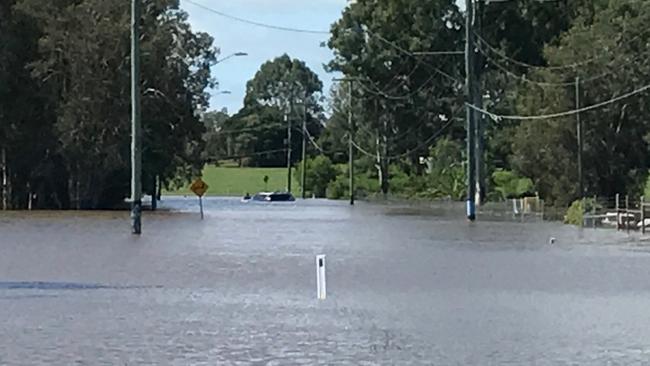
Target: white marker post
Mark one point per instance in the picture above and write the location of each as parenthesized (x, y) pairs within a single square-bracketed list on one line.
[(321, 285)]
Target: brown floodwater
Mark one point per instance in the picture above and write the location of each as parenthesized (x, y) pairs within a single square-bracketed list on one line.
[(406, 286)]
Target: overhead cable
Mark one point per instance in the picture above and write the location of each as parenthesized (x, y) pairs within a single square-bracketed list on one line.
[(498, 117), (255, 23)]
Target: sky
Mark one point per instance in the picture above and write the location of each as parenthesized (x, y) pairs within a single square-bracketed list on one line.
[(263, 44)]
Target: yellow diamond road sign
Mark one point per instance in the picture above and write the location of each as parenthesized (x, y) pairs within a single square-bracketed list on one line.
[(199, 187)]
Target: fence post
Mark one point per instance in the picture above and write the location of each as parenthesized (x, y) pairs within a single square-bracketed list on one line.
[(642, 207), (627, 213), (618, 213), (583, 223), (593, 212)]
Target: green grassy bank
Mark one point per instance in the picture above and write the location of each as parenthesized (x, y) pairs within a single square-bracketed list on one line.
[(234, 181)]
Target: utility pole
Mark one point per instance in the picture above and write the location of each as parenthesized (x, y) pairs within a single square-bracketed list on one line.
[(350, 142), (469, 98), (288, 121), (579, 136), (478, 101), (136, 139), (303, 171)]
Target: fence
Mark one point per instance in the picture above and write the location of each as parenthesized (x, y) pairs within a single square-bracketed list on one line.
[(620, 212), (520, 209)]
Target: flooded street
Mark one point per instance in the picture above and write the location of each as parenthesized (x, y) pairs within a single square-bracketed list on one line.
[(405, 286)]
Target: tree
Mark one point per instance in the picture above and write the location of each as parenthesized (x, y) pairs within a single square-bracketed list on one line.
[(520, 30), (284, 83), (25, 116), (404, 98), (319, 174), (218, 145), (281, 86), (446, 172), (616, 136), (81, 70)]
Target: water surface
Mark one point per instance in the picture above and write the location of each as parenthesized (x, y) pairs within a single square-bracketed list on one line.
[(406, 285)]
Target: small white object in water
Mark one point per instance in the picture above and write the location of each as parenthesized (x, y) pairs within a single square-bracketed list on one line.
[(321, 286), (551, 240)]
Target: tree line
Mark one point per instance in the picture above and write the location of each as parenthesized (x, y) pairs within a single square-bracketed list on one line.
[(65, 100), (405, 61)]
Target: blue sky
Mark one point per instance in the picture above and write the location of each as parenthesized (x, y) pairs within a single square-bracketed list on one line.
[(263, 44)]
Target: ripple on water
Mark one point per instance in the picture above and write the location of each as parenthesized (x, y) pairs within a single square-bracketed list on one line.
[(406, 286)]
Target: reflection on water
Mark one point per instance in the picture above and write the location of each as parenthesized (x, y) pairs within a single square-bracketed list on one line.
[(406, 285)]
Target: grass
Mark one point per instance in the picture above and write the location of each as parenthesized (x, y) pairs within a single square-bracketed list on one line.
[(234, 181)]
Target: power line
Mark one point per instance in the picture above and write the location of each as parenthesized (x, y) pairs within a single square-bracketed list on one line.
[(252, 129), (409, 53), (255, 23), (362, 150), (248, 155), (524, 64), (425, 143), (561, 114), (541, 83), (318, 147), (404, 78), (554, 67), (380, 93)]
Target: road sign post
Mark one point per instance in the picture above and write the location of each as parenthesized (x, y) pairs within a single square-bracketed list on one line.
[(199, 187)]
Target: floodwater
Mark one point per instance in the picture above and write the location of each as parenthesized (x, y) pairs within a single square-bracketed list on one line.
[(406, 286)]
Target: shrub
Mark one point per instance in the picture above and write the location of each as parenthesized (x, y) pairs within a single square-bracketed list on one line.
[(575, 213), (320, 173), (510, 185)]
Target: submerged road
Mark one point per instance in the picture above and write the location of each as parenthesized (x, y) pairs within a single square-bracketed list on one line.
[(406, 286)]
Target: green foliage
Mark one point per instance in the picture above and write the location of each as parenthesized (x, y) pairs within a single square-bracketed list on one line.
[(235, 181), (217, 145), (320, 173), (257, 134), (284, 82), (510, 185), (575, 213), (364, 184), (446, 173), (392, 126), (646, 188), (615, 155), (69, 71)]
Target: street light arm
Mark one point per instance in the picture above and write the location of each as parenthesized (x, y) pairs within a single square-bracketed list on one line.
[(236, 54)]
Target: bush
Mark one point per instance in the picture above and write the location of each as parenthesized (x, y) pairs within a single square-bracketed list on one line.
[(447, 175), (646, 188), (575, 213), (320, 173), (510, 185), (364, 184), (338, 188), (400, 182)]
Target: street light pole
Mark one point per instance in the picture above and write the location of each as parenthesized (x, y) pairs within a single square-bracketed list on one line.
[(136, 138)]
